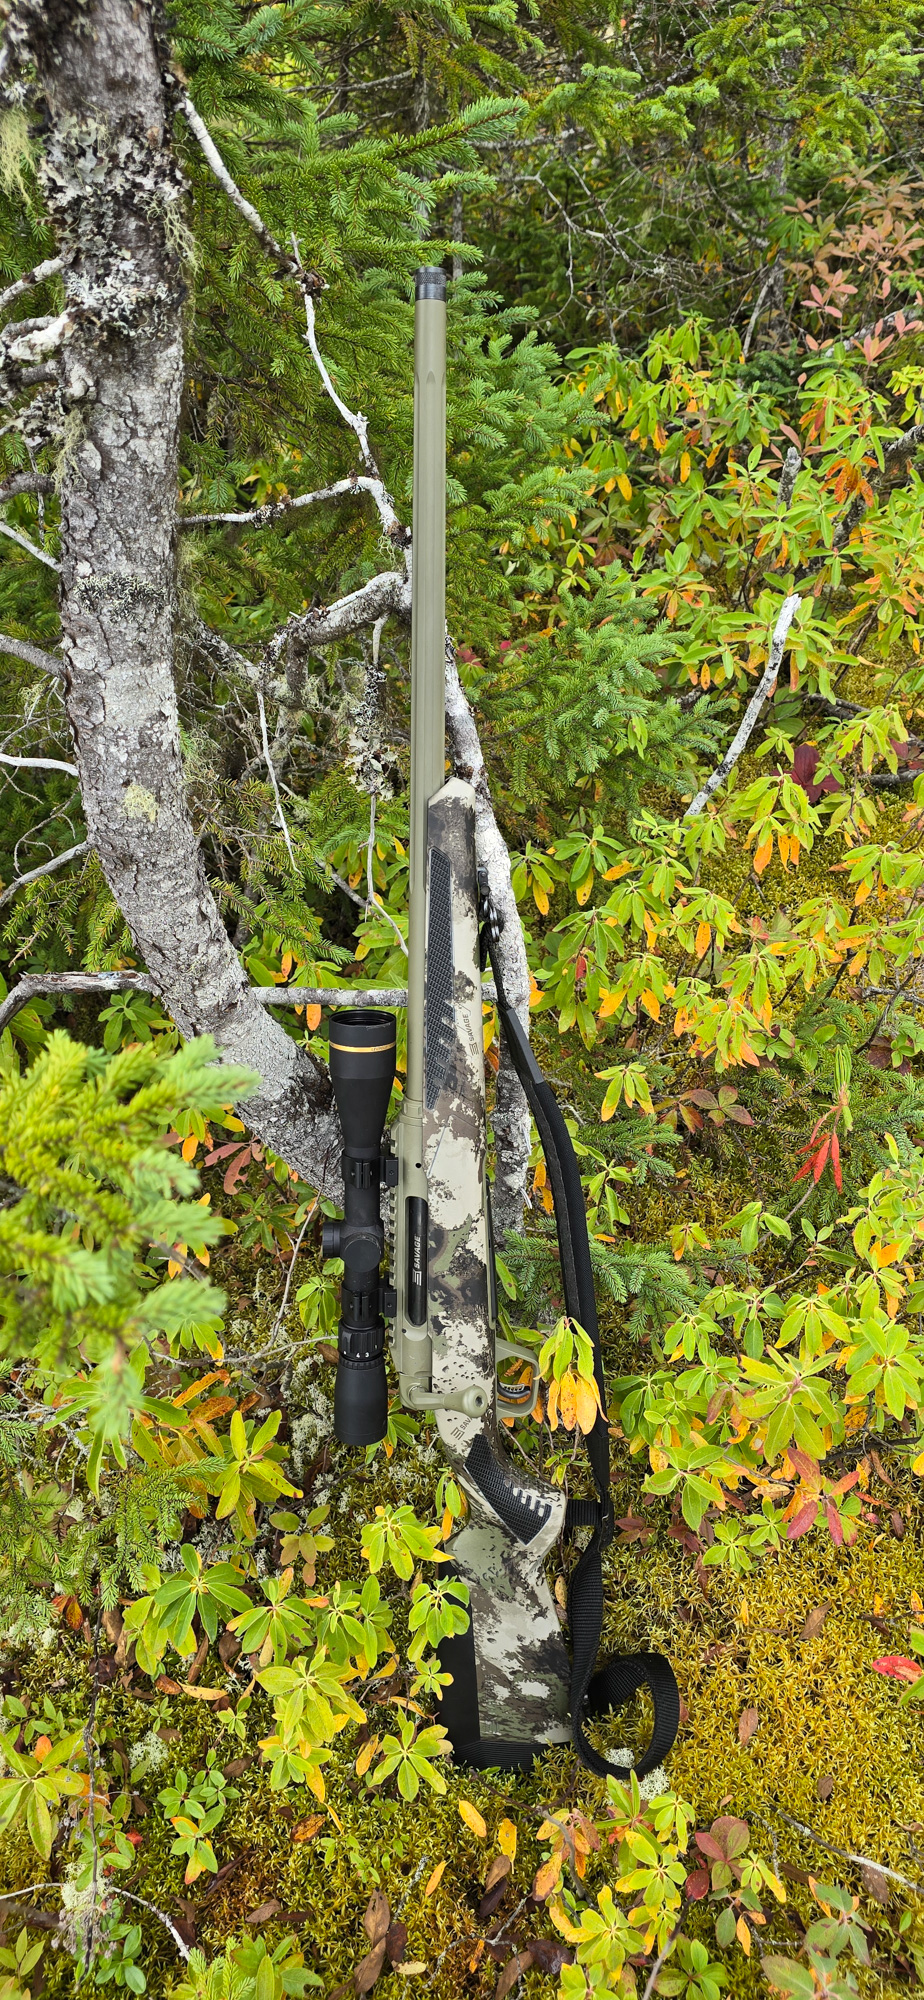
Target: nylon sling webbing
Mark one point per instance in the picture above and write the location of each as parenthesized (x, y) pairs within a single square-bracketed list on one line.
[(619, 1678)]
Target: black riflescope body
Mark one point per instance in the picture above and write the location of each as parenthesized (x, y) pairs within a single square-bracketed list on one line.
[(362, 1069)]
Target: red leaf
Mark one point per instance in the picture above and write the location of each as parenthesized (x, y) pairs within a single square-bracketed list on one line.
[(836, 1162), (697, 1885), (820, 1158), (802, 1521), (898, 1667), (834, 1524)]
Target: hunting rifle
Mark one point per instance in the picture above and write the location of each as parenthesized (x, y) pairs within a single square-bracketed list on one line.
[(513, 1689)]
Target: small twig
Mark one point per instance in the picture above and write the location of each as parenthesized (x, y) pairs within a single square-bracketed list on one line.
[(37, 276), (295, 1250), (21, 649), (47, 867), (739, 740), (659, 1961), (14, 535), (372, 902), (765, 287), (39, 764), (845, 1853), (276, 792), (130, 1897)]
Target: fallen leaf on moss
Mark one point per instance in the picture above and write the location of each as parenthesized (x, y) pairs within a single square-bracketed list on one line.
[(435, 1879), (748, 1723), (307, 1828), (263, 1912), (519, 1964), (472, 1818), (897, 1667), (507, 1838), (815, 1621), (500, 1867)]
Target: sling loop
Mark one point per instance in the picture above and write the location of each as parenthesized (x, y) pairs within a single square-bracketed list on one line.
[(593, 1690)]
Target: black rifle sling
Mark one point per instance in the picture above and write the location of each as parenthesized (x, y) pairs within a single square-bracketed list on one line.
[(619, 1678)]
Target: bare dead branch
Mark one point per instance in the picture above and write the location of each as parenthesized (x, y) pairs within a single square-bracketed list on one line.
[(39, 764), (22, 649), (32, 549), (48, 867), (273, 781), (307, 281), (48, 985), (281, 510), (37, 276), (26, 482), (739, 740)]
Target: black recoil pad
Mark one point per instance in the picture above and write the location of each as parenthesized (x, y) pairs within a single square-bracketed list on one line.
[(362, 1069)]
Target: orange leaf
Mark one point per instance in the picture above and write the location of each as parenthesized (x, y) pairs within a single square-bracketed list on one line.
[(651, 1004), (189, 1146), (307, 1828), (312, 1018), (435, 1879), (762, 855), (41, 1747), (703, 939), (546, 1878)]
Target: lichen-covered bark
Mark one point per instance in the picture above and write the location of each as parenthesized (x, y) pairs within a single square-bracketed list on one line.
[(113, 189)]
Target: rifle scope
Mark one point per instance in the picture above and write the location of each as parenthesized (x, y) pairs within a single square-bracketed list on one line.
[(362, 1069)]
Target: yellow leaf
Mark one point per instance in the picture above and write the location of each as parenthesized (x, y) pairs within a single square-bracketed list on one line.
[(435, 1879), (651, 1004), (684, 467), (562, 1922), (189, 1146), (567, 1400), (587, 1404), (863, 890), (625, 485), (312, 1018), (546, 1878), (610, 1004), (541, 900), (366, 1755), (743, 1935), (507, 1838), (472, 1818), (703, 939), (585, 887), (762, 855)]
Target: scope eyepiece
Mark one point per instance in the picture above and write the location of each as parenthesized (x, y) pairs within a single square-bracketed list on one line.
[(362, 1069)]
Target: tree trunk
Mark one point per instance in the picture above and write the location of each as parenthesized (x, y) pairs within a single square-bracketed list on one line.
[(114, 190)]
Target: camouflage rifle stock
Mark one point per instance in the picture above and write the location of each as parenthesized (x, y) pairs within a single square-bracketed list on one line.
[(513, 1688)]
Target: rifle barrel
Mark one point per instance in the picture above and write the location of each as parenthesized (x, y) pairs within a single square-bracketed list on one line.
[(428, 628)]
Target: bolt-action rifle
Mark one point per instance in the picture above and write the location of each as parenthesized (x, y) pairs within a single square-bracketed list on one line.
[(513, 1688)]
